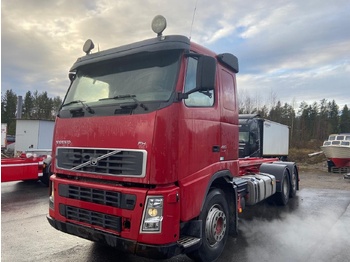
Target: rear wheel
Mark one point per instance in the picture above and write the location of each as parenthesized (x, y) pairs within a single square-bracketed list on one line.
[(293, 183), (215, 223), (283, 196)]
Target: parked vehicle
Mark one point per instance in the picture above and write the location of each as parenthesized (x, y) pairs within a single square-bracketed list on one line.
[(4, 136), (145, 151), (26, 167), (259, 137)]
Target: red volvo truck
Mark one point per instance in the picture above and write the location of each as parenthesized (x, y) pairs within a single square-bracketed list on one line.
[(145, 151)]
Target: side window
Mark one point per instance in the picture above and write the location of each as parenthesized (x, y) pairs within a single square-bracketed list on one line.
[(228, 89), (196, 99)]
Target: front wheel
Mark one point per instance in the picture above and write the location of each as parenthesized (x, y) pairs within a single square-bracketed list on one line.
[(215, 223)]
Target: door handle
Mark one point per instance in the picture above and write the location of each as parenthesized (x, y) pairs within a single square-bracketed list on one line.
[(216, 149)]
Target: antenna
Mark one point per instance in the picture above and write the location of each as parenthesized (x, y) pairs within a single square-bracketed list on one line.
[(194, 13)]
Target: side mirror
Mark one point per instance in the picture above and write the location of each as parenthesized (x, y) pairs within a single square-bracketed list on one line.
[(72, 76), (206, 73), (205, 77)]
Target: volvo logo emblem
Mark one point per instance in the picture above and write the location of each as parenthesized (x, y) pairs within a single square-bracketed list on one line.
[(93, 161)]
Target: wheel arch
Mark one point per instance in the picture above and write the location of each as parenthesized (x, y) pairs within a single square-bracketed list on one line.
[(223, 180), (293, 168), (277, 170)]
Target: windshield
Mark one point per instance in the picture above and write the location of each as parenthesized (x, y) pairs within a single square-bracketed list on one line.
[(147, 77), (243, 136)]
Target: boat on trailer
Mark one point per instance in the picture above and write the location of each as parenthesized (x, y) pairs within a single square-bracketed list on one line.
[(337, 149)]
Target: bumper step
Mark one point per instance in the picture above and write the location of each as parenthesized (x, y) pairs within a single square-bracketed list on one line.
[(188, 241)]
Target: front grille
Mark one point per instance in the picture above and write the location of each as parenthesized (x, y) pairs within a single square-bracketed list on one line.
[(98, 196), (115, 162), (92, 218)]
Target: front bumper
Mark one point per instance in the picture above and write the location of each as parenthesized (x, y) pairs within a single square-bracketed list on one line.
[(150, 251)]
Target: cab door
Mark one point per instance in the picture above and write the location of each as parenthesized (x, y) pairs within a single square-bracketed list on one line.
[(200, 127)]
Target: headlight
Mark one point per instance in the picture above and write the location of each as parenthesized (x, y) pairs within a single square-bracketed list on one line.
[(152, 214)]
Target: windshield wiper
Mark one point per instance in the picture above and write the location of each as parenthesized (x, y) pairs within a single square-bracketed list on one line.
[(118, 97), (133, 97), (85, 106)]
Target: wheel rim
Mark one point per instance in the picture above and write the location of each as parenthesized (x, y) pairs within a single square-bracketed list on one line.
[(215, 226)]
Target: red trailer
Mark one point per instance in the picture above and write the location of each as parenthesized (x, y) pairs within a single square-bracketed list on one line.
[(24, 168)]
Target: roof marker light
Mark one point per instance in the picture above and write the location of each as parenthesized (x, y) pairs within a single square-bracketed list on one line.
[(88, 46), (158, 24)]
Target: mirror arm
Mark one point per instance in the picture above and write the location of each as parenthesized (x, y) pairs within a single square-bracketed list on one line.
[(180, 96)]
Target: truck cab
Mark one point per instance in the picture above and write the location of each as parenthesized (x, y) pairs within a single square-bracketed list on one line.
[(259, 137), (250, 136), (145, 150), (141, 135)]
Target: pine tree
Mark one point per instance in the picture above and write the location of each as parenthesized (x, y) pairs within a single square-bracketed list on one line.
[(323, 123), (28, 105), (56, 103), (344, 123), (333, 117), (276, 113), (8, 111)]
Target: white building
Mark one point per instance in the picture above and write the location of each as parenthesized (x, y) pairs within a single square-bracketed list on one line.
[(34, 134)]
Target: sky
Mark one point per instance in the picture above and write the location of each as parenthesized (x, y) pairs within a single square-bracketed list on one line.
[(291, 51)]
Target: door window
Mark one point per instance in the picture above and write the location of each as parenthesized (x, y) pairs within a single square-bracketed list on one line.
[(199, 98)]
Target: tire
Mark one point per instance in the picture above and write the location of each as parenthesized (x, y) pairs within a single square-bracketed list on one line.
[(293, 183), (215, 223), (282, 197), (45, 179)]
